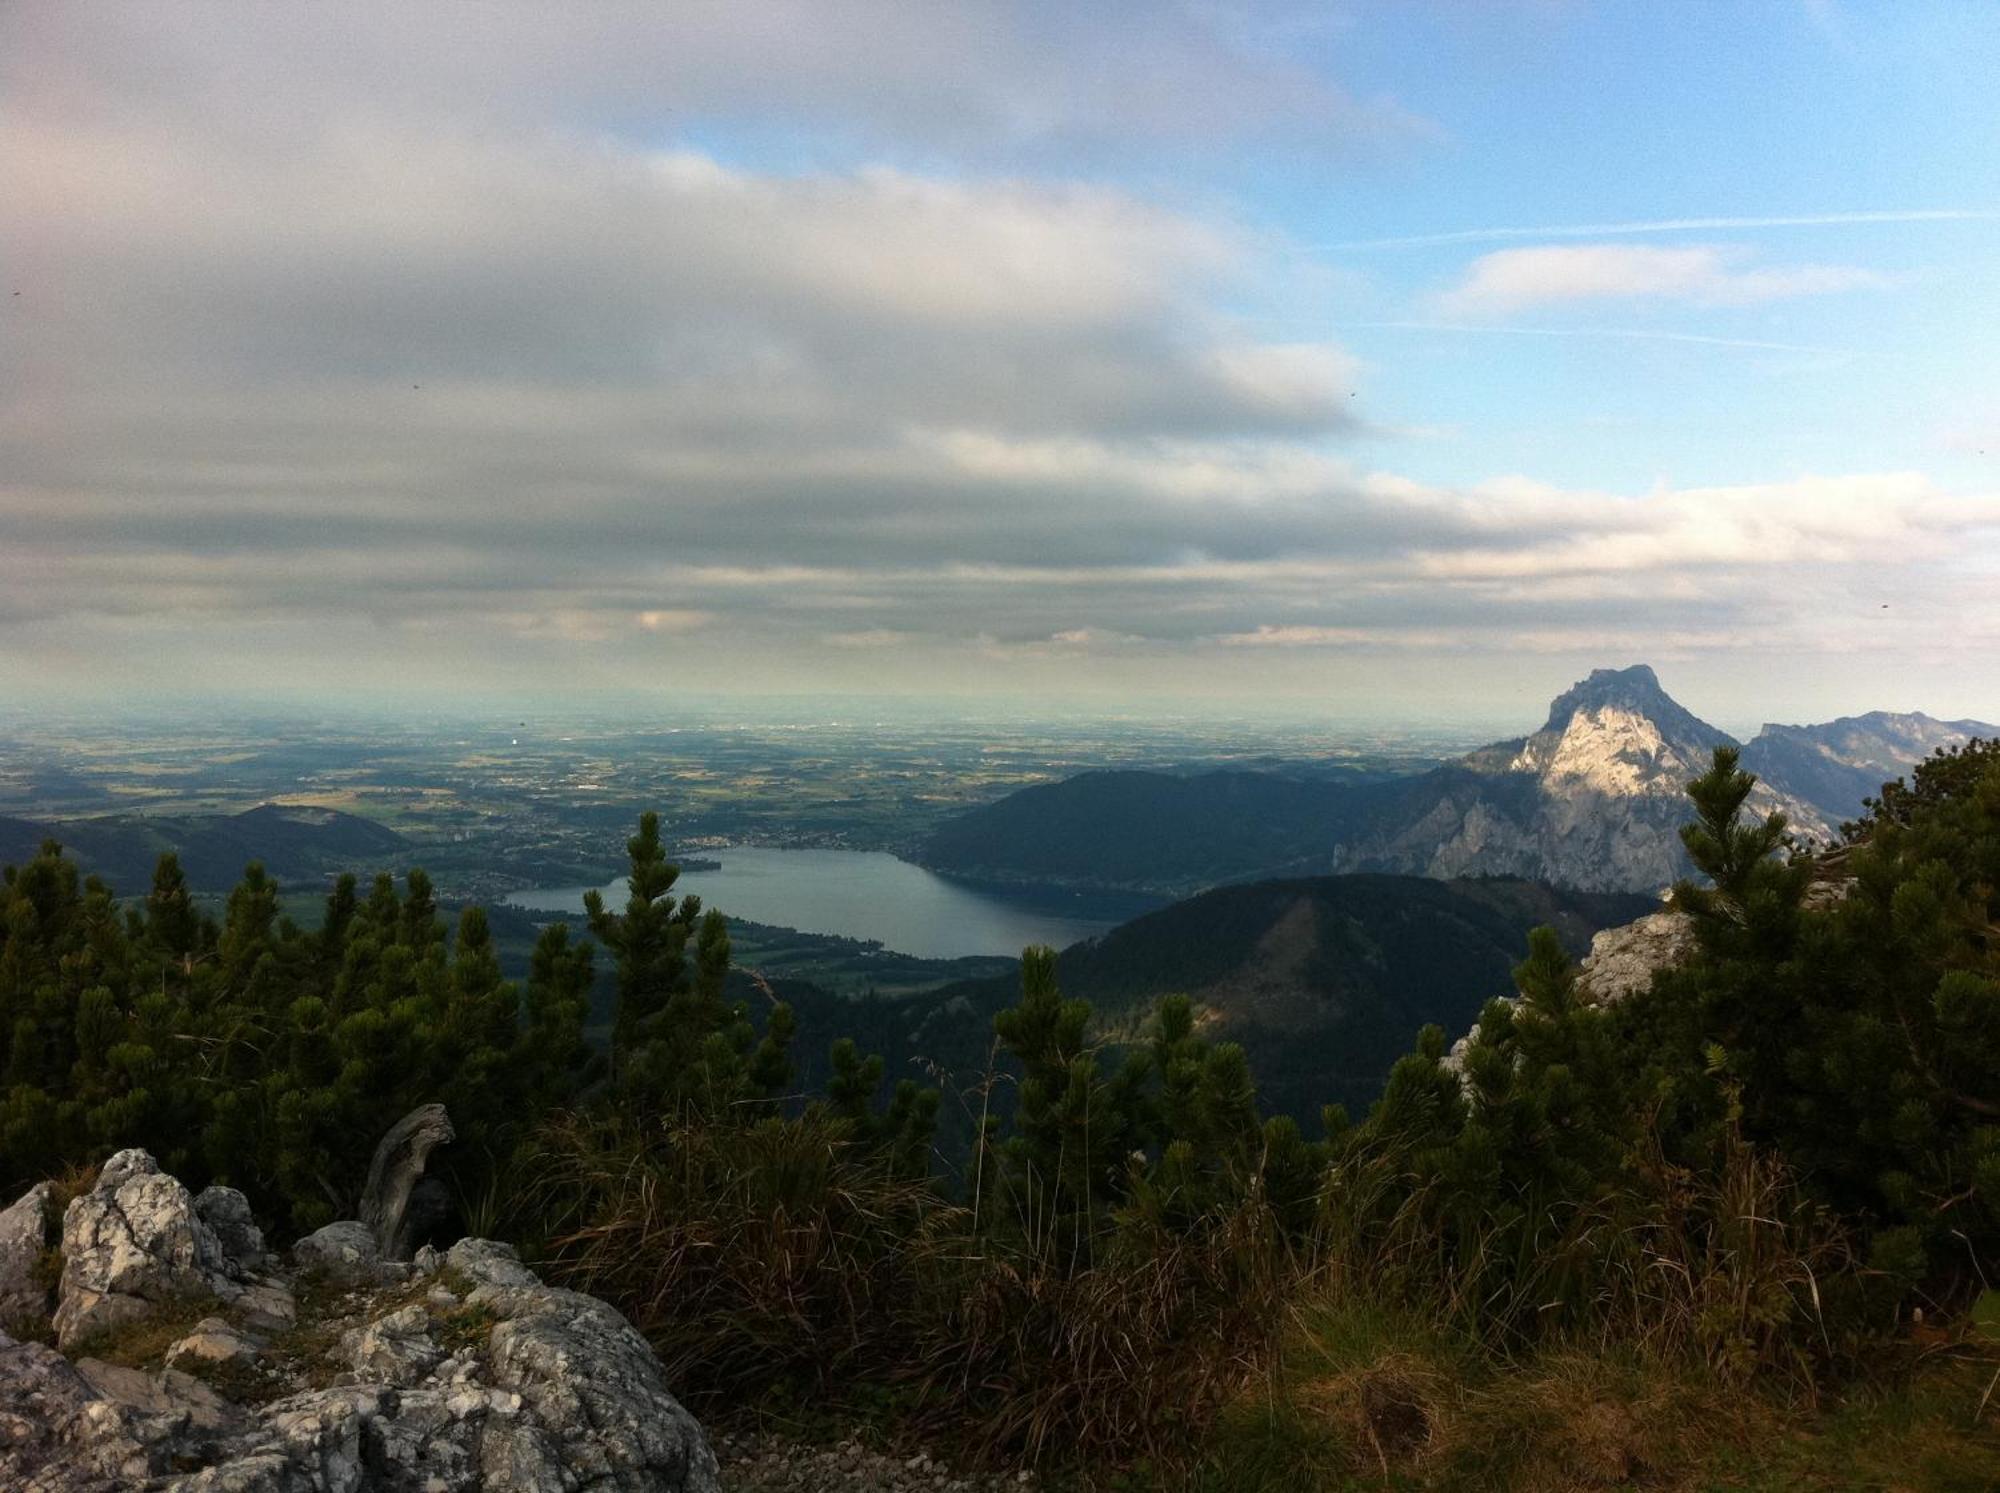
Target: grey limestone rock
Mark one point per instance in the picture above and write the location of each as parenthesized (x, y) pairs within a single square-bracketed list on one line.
[(493, 1383), (396, 1349), (170, 1393), (90, 1427), (345, 1250), (588, 1376), (227, 1213), (131, 1243), (214, 1341), (1622, 961), (24, 1238), (267, 1306), (488, 1262)]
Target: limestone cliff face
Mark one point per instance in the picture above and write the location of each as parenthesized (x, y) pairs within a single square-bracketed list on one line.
[(1594, 799)]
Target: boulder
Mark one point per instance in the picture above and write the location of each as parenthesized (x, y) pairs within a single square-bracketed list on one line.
[(213, 1341), (393, 1173), (345, 1250), (131, 1243), (227, 1214), (596, 1388), (488, 1262), (25, 1236)]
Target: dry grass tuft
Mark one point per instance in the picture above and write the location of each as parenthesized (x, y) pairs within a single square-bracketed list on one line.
[(781, 1263), (143, 1344), (1385, 1412)]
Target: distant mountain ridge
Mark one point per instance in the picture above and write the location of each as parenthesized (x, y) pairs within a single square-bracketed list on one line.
[(1592, 800), (1834, 767), (298, 843)]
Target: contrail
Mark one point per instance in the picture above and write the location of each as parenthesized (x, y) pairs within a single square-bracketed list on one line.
[(1673, 225), (1631, 334)]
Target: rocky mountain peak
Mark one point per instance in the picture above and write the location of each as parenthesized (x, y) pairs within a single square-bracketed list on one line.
[(1619, 733), (1634, 691)]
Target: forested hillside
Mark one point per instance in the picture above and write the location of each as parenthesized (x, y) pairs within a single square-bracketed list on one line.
[(1321, 980), (290, 841), (1153, 831)]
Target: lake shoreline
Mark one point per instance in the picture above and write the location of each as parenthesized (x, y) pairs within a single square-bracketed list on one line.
[(872, 897)]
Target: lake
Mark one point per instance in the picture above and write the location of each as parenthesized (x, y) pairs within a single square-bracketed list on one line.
[(869, 894)]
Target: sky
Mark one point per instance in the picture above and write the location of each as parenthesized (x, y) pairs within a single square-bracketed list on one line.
[(1374, 357)]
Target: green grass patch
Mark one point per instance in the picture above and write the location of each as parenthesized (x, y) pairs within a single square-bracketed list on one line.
[(1360, 1397)]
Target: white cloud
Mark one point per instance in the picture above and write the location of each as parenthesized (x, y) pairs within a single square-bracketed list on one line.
[(1676, 225), (1511, 280), (673, 619)]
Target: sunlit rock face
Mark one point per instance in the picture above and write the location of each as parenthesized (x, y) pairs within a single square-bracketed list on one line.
[(1618, 733), (1595, 799)]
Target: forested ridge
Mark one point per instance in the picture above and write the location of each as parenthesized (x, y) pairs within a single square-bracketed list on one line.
[(1760, 1170)]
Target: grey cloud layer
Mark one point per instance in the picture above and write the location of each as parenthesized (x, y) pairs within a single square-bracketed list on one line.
[(393, 336)]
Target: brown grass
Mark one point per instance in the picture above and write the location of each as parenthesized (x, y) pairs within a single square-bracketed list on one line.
[(1362, 1398), (143, 1344), (782, 1264), (1729, 1268)]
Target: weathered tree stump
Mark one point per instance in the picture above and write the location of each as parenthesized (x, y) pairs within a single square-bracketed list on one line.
[(399, 1161)]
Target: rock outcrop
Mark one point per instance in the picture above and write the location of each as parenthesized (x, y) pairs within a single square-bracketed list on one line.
[(131, 1244), (1622, 961), (345, 1251), (343, 1373), (24, 1240)]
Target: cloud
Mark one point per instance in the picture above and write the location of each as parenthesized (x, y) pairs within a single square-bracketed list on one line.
[(1003, 82), (673, 619), (1889, 216), (1510, 280), (1298, 636), (371, 350), (1608, 334)]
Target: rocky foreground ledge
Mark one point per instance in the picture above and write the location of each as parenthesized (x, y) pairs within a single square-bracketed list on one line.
[(175, 1352)]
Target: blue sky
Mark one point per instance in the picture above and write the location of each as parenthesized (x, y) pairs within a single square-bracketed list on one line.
[(1333, 353), (1650, 113)]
